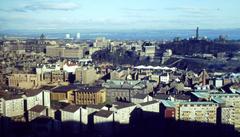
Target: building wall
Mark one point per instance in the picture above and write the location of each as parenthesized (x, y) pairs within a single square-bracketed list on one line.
[(102, 120), (46, 98), (197, 112), (73, 53), (231, 116), (86, 98), (26, 81), (34, 100), (2, 106), (146, 99), (70, 116), (124, 94), (151, 108), (32, 115), (86, 75), (165, 79), (54, 51), (156, 78), (123, 115), (60, 96), (169, 113), (150, 51), (227, 115), (84, 116), (14, 107)]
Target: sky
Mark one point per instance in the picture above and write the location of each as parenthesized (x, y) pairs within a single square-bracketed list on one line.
[(118, 14)]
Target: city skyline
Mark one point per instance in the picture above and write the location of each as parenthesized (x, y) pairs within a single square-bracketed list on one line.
[(117, 15)]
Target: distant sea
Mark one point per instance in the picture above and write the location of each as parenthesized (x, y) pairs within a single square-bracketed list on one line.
[(233, 34)]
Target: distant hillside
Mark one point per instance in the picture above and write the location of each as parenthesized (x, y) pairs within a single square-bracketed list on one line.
[(118, 57), (186, 47), (198, 64)]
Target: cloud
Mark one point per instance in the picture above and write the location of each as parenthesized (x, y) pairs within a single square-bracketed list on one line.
[(62, 6), (195, 13), (191, 9), (66, 6), (138, 9)]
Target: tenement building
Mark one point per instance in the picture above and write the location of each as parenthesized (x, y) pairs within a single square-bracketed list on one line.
[(89, 95), (25, 81), (122, 90)]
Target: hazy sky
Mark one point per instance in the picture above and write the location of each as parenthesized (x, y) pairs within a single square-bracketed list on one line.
[(119, 14)]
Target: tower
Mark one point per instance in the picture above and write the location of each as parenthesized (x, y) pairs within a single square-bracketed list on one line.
[(197, 33)]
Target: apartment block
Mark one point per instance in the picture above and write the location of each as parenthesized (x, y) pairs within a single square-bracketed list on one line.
[(197, 111)]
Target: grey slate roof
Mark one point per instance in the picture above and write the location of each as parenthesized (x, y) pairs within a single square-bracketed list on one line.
[(38, 108), (71, 108), (140, 96), (104, 113), (149, 103)]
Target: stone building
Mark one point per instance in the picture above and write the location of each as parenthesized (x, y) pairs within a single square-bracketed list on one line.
[(122, 90), (86, 75), (89, 95), (25, 81)]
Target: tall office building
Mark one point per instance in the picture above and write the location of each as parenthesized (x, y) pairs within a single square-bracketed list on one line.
[(68, 36), (78, 36)]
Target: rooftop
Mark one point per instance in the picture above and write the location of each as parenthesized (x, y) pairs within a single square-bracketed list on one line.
[(218, 100), (168, 103), (182, 97), (64, 89), (38, 108), (197, 103), (88, 89), (140, 96), (161, 96), (149, 103), (30, 93), (95, 106), (121, 105), (71, 108), (104, 113)]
